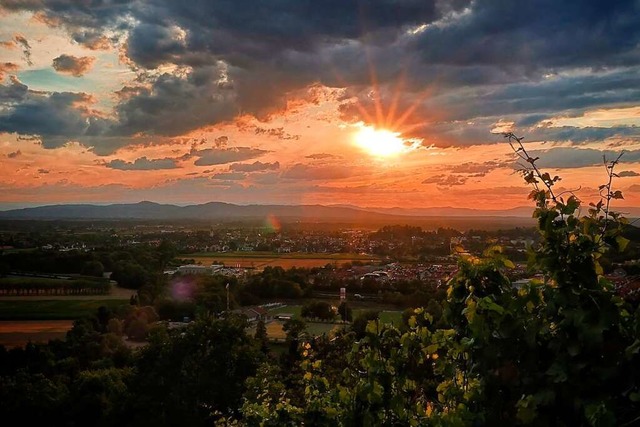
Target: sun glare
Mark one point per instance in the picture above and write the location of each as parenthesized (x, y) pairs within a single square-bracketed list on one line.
[(379, 142)]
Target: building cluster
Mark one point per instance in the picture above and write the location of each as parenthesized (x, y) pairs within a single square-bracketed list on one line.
[(199, 269)]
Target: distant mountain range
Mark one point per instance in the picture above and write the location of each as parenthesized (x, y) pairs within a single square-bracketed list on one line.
[(520, 211), (228, 211)]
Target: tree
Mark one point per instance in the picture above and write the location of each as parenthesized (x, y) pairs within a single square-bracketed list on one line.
[(558, 351), (360, 323), (346, 313), (194, 375), (92, 268), (97, 395), (261, 336), (129, 274), (318, 310)]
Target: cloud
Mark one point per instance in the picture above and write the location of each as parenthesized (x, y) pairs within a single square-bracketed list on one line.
[(26, 47), (555, 34), (254, 167), (229, 176), (478, 169), (446, 180), (320, 156), (7, 67), (174, 104), (57, 117), (216, 156), (74, 65), (8, 44), (143, 163), (462, 68), (43, 171), (311, 173), (625, 174), (14, 154), (278, 133), (570, 157)]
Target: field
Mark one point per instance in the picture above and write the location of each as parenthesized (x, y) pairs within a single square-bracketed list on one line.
[(274, 329), (386, 316), (39, 286), (18, 333), (260, 260), (25, 309)]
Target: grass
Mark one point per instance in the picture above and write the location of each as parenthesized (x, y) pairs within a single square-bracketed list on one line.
[(54, 309), (386, 316), (315, 329), (290, 309)]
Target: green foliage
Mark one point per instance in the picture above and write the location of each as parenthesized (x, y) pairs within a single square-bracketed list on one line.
[(187, 376), (562, 350), (92, 268), (130, 274), (359, 325), (318, 310), (345, 312), (98, 395)]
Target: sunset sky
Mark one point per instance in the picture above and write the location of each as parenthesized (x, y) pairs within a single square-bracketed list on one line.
[(376, 103)]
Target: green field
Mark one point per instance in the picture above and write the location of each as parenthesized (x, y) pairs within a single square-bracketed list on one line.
[(54, 309), (386, 316)]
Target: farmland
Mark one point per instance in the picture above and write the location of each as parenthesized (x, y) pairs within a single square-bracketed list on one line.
[(260, 260), (60, 309), (17, 333)]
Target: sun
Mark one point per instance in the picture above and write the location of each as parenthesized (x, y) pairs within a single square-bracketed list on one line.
[(379, 142)]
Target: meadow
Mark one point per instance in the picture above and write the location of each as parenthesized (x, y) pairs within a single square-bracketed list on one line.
[(54, 309), (274, 328)]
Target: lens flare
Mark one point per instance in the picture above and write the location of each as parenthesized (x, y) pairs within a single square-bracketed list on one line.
[(183, 289), (272, 224)]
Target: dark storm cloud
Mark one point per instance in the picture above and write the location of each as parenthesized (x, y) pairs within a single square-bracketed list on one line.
[(255, 166), (143, 163), (74, 65), (85, 20), (569, 157), (214, 156), (537, 33), (176, 104), (56, 117), (246, 30), (528, 102), (480, 60), (625, 174)]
